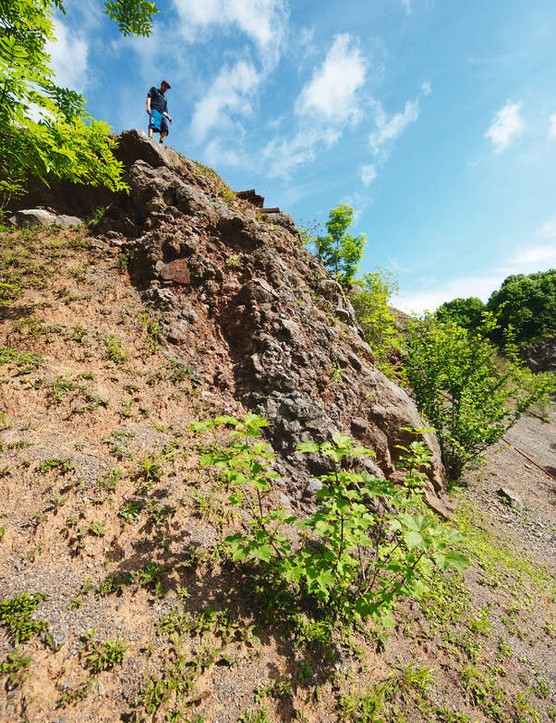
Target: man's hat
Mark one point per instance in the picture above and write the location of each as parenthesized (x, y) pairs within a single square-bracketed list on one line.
[(165, 82)]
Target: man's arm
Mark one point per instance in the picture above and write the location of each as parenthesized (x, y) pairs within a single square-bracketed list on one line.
[(149, 104)]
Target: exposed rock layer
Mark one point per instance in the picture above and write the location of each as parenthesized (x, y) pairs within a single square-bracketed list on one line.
[(251, 311)]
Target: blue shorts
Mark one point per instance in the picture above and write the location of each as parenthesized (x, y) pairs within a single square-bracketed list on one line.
[(157, 122)]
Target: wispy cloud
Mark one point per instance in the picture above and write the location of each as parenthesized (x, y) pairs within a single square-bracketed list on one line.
[(406, 4), (328, 103), (538, 253), (533, 256), (390, 128), (216, 153), (506, 126), (332, 94), (430, 299), (552, 129), (263, 21), (229, 96), (69, 57), (368, 174)]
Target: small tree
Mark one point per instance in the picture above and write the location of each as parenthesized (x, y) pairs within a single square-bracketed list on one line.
[(45, 129), (339, 251), (469, 395), (369, 298)]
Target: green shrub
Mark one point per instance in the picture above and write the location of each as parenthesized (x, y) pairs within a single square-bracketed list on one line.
[(469, 395), (364, 547), (339, 251), (369, 298)]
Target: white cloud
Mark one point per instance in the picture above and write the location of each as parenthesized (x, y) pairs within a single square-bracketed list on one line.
[(332, 94), (407, 6), (537, 254), (552, 130), (281, 157), (547, 231), (228, 96), (506, 126), (69, 57), (326, 104), (533, 256), (368, 174), (216, 154), (388, 129), (263, 21), (426, 88)]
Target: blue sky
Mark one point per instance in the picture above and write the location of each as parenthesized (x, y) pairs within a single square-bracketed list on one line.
[(434, 119)]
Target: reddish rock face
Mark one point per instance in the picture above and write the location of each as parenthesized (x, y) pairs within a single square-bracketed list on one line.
[(176, 271), (251, 310)]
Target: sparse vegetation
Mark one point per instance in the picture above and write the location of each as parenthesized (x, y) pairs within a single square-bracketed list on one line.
[(17, 616), (16, 668), (198, 576), (104, 655), (357, 561)]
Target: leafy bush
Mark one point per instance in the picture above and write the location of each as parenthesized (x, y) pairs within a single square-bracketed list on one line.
[(364, 547), (104, 655), (369, 298), (469, 395), (16, 615), (45, 129)]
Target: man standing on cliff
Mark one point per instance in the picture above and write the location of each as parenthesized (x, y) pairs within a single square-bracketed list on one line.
[(157, 108)]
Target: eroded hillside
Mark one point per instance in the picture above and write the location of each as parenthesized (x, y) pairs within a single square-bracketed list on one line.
[(185, 303)]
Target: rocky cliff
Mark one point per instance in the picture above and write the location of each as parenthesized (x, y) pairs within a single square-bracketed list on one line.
[(242, 303)]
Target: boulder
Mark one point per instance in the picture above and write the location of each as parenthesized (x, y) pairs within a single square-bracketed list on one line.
[(42, 217)]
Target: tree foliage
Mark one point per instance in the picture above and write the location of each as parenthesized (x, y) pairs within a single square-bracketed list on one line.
[(339, 251), (467, 393), (466, 312), (45, 130), (369, 298), (526, 304)]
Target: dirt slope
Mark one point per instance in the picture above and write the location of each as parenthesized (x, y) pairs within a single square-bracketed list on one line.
[(106, 512)]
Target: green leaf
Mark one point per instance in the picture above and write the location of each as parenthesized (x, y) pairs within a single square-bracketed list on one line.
[(457, 560), (307, 447)]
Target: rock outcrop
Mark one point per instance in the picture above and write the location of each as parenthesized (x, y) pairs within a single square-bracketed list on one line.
[(252, 312)]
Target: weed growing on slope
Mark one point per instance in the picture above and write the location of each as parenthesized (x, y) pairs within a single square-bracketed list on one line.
[(153, 332), (16, 615), (355, 559), (24, 361), (61, 465), (76, 695), (104, 655), (113, 350), (16, 668), (131, 509)]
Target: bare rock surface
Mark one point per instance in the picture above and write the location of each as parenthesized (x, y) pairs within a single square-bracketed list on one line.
[(271, 328), (241, 298), (41, 217)]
